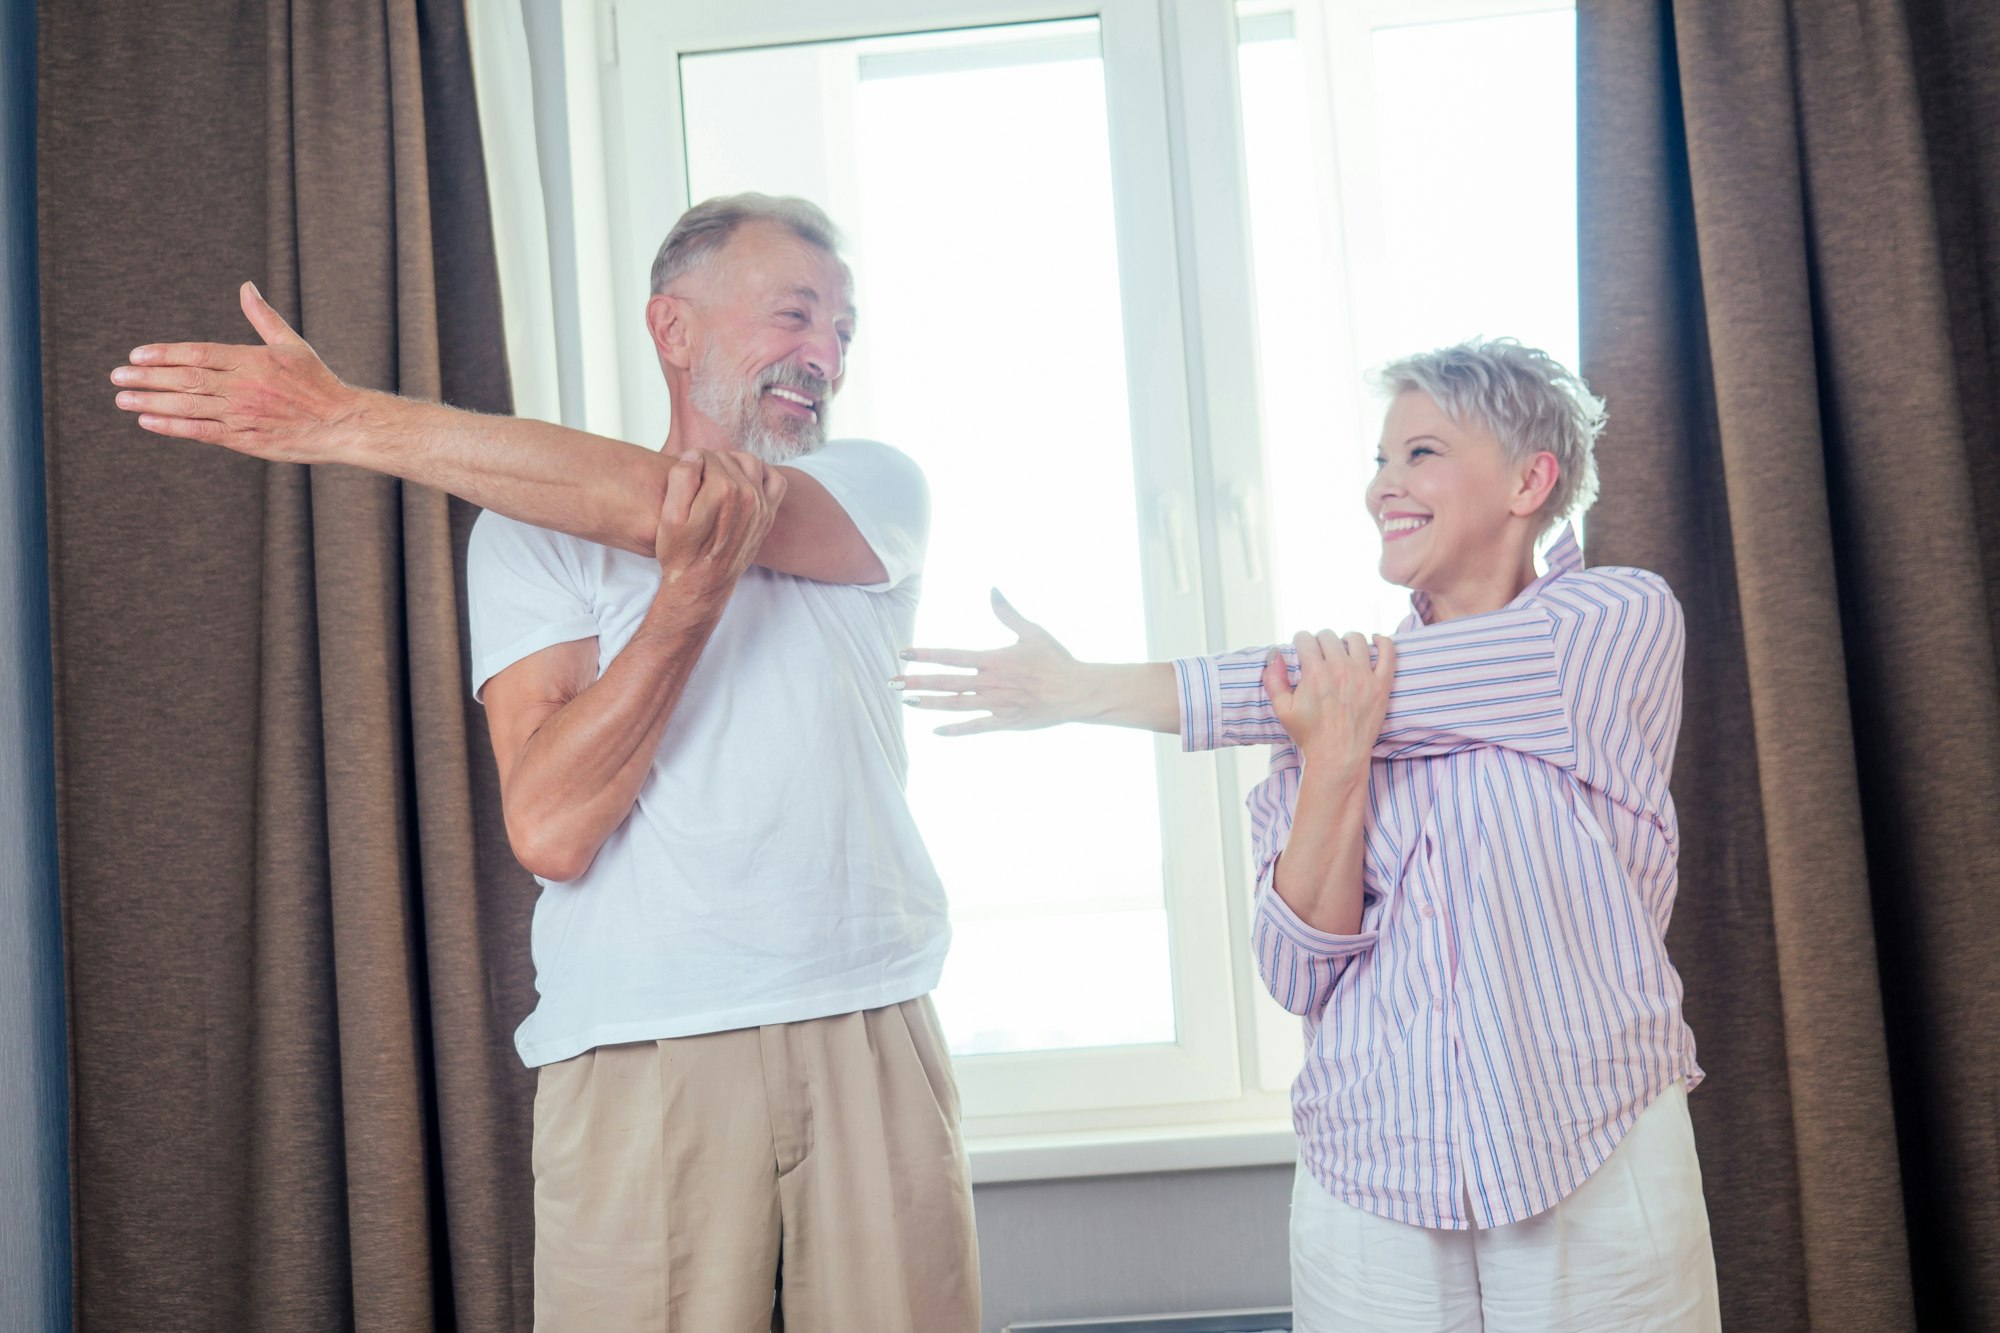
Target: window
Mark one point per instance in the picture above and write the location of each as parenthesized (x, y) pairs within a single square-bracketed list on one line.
[(1121, 266)]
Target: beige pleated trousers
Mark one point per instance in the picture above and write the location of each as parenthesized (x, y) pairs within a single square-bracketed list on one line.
[(807, 1177)]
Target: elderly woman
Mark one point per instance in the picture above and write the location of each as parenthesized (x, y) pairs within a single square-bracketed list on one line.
[(1466, 854)]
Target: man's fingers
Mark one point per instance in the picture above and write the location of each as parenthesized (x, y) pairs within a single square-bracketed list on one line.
[(198, 405), (1356, 645), (951, 657), (1307, 646), (209, 356), (270, 325), (182, 428), (163, 379), (774, 486), (683, 480)]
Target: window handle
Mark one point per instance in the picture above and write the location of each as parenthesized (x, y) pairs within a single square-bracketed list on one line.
[(1171, 517), (1246, 506)]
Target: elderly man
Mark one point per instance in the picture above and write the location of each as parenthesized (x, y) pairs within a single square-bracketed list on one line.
[(1466, 852), (744, 1094)]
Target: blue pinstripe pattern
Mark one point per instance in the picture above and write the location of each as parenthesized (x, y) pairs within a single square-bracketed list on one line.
[(1508, 1008)]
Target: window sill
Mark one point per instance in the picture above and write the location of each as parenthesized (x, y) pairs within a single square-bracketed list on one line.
[(1012, 1158)]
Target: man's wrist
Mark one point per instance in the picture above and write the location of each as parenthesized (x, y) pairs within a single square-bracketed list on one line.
[(677, 613), (360, 429)]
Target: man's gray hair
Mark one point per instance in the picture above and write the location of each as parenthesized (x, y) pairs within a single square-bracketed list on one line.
[(706, 228), (1529, 400)]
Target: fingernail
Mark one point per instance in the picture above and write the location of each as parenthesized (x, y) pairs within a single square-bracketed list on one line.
[(907, 655), (121, 375), (909, 701), (140, 355), (896, 682), (124, 400)]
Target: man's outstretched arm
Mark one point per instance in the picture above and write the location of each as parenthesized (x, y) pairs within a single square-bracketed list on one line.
[(279, 402)]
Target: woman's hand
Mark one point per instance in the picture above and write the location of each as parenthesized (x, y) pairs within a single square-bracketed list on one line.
[(1033, 682), (1334, 714)]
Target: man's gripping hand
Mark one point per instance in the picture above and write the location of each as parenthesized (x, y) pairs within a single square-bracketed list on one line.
[(277, 401), (718, 507)]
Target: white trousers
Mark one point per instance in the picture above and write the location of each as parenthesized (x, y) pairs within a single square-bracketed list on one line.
[(1628, 1251)]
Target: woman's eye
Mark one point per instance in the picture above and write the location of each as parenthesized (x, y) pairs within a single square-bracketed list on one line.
[(1421, 450), (1380, 462)]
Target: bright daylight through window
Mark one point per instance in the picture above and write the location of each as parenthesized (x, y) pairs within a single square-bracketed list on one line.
[(1037, 273)]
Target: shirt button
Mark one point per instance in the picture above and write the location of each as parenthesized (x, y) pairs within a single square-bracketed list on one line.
[(1428, 911)]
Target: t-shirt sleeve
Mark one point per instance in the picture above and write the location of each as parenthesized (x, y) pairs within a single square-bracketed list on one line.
[(884, 492), (526, 590)]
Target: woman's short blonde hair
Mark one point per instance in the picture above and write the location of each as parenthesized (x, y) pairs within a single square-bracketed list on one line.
[(1530, 401)]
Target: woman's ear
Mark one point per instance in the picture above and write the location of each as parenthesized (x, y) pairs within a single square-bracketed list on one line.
[(1534, 483)]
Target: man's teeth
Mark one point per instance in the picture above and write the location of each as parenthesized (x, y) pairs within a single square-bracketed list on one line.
[(1394, 525), (791, 397)]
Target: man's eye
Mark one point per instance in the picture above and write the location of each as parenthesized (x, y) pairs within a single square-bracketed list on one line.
[(794, 314)]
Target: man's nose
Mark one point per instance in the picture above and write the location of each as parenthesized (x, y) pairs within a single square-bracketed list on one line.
[(823, 356)]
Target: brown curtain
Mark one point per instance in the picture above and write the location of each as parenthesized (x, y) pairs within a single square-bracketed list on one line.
[(1791, 299), (296, 944)]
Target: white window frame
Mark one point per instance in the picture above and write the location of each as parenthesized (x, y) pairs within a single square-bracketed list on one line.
[(1217, 1096)]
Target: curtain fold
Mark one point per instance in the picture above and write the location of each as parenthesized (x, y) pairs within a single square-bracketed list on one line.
[(296, 941), (1791, 255)]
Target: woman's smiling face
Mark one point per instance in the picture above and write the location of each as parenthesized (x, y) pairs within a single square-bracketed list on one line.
[(1444, 498)]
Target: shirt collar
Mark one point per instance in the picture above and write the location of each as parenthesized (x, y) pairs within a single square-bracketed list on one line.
[(1563, 556)]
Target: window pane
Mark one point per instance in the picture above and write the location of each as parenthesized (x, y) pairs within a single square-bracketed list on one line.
[(1438, 204), (970, 171)]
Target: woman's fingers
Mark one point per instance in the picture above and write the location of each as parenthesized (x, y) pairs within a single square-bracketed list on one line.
[(948, 703), (1277, 679), (937, 684), (951, 657), (1385, 656), (976, 727)]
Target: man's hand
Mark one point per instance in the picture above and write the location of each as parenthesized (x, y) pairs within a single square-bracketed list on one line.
[(718, 507), (1032, 683), (1335, 713), (277, 401)]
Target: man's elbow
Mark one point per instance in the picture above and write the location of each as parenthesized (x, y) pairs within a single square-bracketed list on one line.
[(549, 852)]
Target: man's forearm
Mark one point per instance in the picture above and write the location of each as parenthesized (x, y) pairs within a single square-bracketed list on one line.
[(580, 773), (590, 486), (1319, 874)]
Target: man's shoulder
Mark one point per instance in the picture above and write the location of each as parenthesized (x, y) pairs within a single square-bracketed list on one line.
[(858, 453)]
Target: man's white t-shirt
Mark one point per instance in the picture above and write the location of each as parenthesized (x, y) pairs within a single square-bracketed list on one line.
[(770, 870)]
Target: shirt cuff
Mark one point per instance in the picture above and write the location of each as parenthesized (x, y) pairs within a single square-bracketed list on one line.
[(1195, 678), (1318, 943)]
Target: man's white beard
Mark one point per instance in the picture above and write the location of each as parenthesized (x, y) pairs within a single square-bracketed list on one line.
[(737, 405)]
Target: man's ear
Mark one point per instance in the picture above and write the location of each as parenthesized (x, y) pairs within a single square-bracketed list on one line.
[(668, 320), (1534, 484)]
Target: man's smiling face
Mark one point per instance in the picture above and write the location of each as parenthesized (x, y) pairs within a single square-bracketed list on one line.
[(772, 317)]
